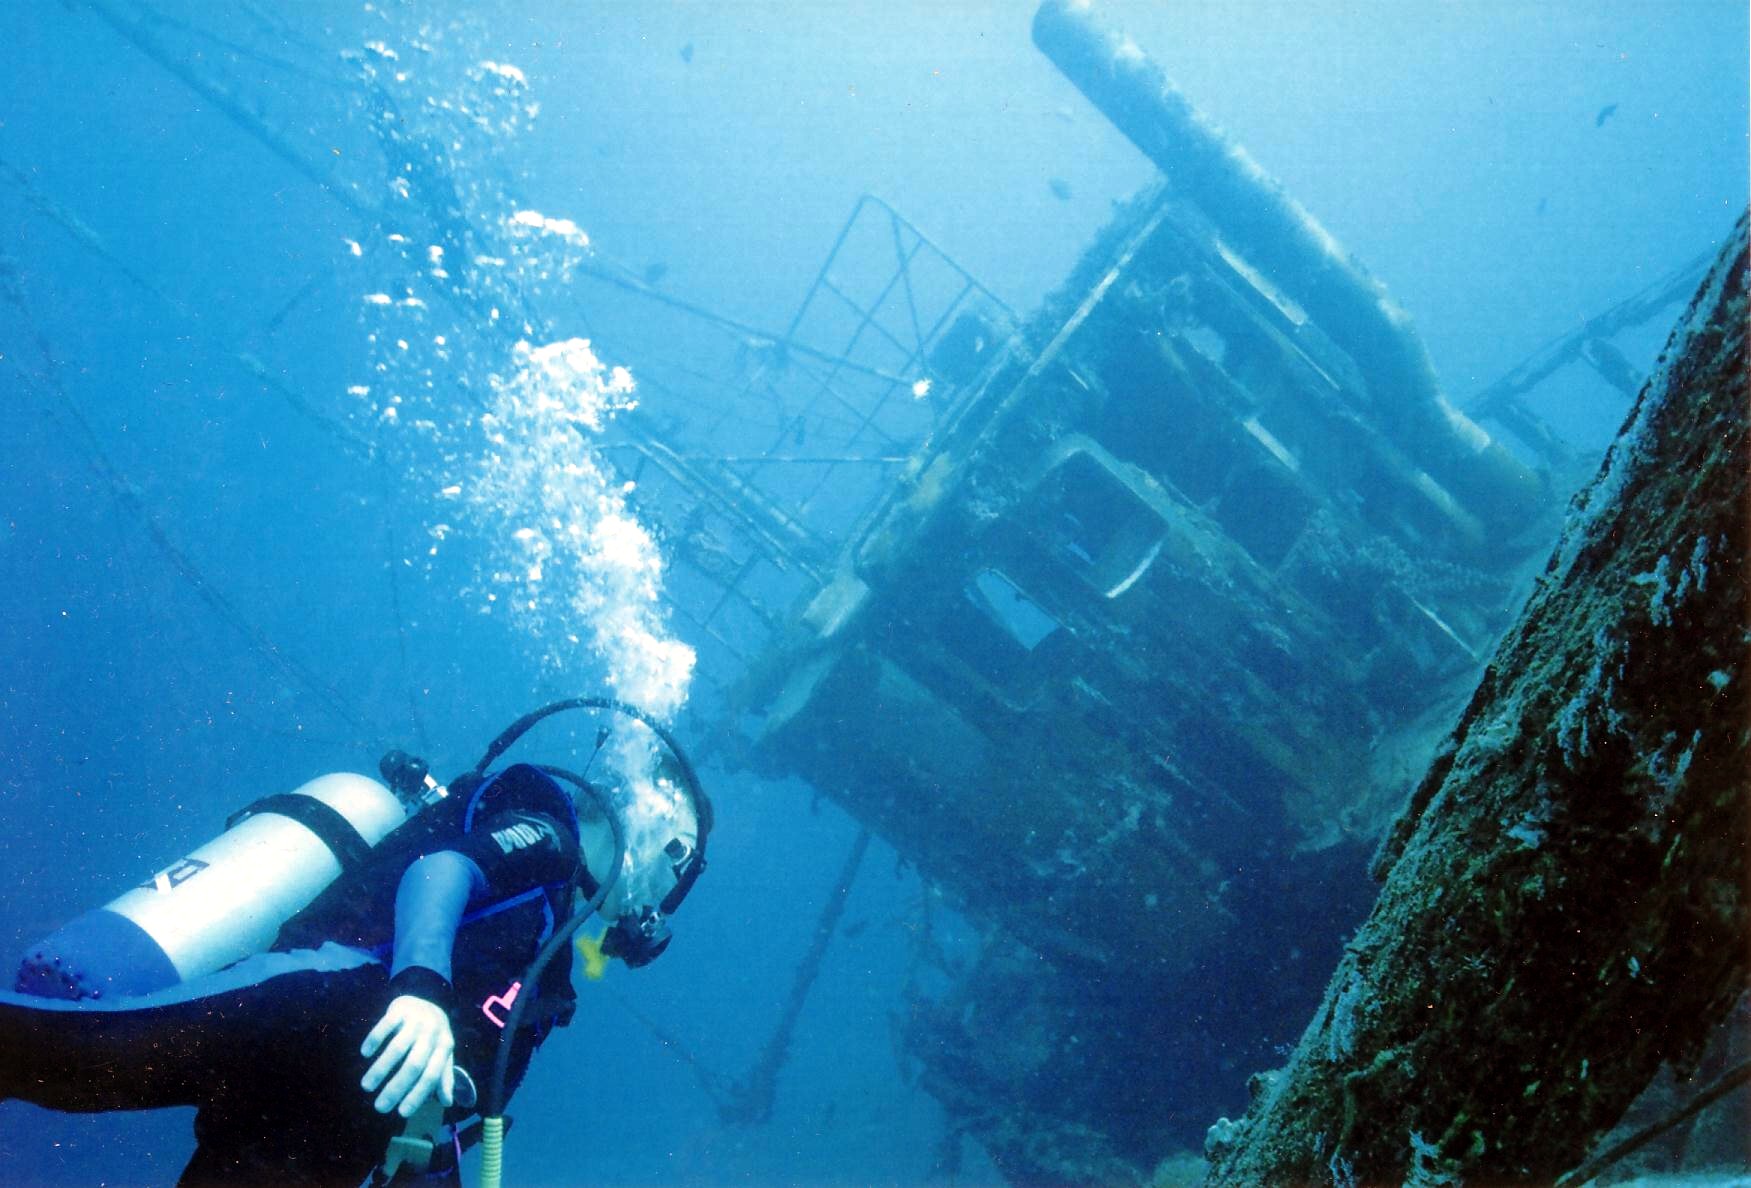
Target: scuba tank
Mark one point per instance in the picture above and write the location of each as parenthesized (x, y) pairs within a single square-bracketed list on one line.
[(225, 901)]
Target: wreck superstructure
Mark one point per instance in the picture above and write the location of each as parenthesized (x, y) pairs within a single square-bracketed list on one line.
[(1154, 630)]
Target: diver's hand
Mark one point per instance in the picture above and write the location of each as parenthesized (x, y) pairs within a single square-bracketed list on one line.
[(418, 1049)]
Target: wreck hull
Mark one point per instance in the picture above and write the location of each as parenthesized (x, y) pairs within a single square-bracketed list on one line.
[(1570, 878)]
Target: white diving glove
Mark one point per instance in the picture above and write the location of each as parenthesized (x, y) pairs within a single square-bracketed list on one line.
[(418, 1056)]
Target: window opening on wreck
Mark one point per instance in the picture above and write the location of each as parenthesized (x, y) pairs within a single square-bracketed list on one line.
[(1109, 536), (1264, 510), (1006, 605), (1005, 643)]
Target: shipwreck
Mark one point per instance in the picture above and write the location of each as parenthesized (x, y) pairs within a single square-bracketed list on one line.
[(1157, 628)]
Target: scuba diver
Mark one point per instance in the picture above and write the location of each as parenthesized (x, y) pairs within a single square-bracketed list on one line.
[(351, 980)]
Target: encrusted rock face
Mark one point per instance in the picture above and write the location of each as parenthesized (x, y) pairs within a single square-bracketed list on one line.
[(1564, 903)]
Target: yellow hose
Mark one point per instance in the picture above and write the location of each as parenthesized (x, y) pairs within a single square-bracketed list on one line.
[(492, 1151)]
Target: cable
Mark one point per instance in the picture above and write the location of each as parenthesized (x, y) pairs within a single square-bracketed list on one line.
[(516, 730), (1730, 1081), (73, 424)]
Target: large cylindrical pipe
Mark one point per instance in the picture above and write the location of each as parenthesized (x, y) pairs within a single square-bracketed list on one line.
[(1277, 235)]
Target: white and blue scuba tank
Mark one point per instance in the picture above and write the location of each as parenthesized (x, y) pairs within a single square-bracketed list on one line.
[(231, 898), (224, 901)]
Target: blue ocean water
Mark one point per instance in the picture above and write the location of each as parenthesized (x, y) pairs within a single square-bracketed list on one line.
[(227, 569)]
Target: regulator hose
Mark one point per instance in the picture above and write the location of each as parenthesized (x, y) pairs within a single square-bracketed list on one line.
[(516, 730), (492, 1151)]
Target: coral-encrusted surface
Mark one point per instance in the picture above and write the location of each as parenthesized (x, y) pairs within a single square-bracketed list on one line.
[(1564, 902)]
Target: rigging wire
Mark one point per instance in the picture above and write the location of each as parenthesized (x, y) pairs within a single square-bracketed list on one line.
[(349, 440), (143, 39), (64, 412), (719, 1088), (82, 233), (755, 1096), (161, 20), (1728, 1081)]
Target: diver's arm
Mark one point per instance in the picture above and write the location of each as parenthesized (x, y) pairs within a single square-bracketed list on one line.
[(429, 903), (413, 1043), (506, 854)]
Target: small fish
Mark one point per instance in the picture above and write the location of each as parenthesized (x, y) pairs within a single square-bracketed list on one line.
[(687, 53), (1543, 205), (1605, 113), (654, 274), (1060, 189)]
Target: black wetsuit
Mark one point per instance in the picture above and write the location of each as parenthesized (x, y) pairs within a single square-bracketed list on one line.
[(269, 1049)]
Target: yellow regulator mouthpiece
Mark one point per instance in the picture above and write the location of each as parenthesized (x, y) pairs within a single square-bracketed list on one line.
[(590, 949)]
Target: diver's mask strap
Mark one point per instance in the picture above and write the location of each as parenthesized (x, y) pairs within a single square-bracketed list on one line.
[(688, 864)]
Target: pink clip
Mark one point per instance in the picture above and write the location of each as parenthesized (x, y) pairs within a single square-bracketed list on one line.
[(502, 1001)]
